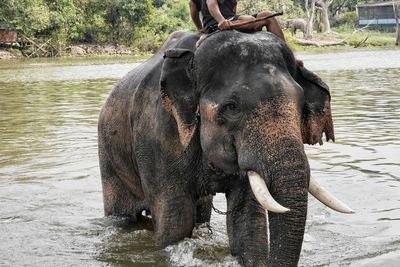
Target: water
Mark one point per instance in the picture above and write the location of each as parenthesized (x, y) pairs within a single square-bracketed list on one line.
[(51, 211)]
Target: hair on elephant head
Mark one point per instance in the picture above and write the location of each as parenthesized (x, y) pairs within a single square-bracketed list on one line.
[(230, 116)]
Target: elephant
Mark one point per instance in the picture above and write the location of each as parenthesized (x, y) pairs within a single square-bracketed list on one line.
[(230, 116), (296, 24)]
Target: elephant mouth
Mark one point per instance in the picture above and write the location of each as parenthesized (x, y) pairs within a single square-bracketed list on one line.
[(266, 200), (224, 172)]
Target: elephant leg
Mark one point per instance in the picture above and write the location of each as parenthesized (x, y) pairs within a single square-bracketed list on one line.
[(118, 198), (203, 209), (173, 217), (292, 30), (247, 227)]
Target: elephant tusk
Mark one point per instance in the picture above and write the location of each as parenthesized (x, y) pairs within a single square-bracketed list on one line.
[(263, 195), (327, 198)]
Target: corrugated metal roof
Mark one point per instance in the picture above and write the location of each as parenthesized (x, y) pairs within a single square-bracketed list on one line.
[(388, 3)]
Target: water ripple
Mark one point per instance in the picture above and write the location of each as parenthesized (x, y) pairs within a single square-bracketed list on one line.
[(51, 209)]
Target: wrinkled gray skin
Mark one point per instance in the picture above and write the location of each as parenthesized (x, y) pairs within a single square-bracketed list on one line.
[(296, 24), (189, 123)]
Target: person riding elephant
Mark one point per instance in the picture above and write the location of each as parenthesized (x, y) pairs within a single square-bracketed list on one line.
[(221, 15), (228, 117), (195, 9)]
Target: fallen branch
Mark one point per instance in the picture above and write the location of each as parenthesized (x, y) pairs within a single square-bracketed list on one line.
[(318, 43), (321, 43), (362, 42)]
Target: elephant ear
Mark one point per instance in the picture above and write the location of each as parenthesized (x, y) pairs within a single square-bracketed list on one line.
[(177, 91), (317, 116)]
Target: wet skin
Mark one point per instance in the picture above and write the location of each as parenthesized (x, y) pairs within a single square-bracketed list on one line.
[(190, 122)]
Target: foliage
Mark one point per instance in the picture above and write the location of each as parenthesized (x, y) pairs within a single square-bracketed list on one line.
[(171, 16), (289, 8), (339, 6), (375, 39), (346, 20), (143, 24), (27, 16), (140, 24)]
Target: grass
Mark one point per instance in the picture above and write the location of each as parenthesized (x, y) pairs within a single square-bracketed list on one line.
[(365, 38)]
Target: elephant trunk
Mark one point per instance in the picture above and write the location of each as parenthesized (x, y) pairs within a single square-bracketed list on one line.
[(272, 147), (285, 171), (289, 176)]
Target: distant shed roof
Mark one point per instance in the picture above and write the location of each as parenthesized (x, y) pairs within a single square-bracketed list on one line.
[(388, 3), (378, 14)]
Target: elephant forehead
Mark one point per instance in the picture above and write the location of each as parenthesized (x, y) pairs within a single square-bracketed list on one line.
[(240, 44), (248, 47), (269, 68)]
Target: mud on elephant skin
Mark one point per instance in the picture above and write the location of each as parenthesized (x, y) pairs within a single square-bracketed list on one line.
[(230, 116)]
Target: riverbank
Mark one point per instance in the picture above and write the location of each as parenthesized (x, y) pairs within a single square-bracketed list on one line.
[(340, 39), (93, 49), (5, 54), (77, 50), (344, 40)]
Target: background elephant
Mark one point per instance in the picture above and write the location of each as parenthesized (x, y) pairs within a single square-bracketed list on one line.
[(230, 116), (296, 24)]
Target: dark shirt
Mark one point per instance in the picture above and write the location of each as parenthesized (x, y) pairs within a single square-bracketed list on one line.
[(198, 4), (225, 7)]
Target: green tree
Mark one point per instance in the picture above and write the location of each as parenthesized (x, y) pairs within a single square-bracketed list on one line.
[(63, 20), (173, 15), (90, 26), (179, 9), (138, 13), (124, 16), (26, 16), (288, 7)]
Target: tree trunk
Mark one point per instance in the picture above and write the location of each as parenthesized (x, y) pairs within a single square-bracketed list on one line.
[(324, 7), (396, 11), (398, 36), (310, 11)]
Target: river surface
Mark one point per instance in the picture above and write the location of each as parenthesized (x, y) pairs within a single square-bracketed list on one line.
[(51, 209)]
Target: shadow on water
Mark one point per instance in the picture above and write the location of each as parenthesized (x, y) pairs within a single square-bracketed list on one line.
[(51, 210)]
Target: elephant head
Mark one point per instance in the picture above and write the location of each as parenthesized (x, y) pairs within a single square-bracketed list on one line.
[(253, 109)]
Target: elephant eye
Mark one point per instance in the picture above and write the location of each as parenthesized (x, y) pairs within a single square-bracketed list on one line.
[(230, 107), (230, 110)]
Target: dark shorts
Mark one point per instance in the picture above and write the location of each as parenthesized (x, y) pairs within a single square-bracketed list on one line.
[(214, 27)]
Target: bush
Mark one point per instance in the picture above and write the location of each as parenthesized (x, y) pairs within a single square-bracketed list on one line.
[(346, 19), (375, 39), (146, 40)]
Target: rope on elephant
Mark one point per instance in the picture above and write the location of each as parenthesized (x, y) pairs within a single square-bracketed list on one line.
[(220, 211), (238, 207)]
